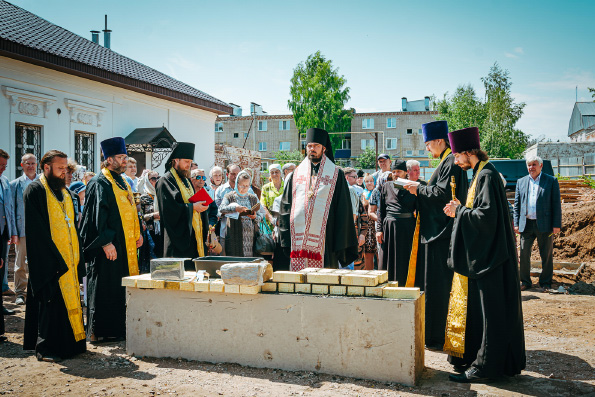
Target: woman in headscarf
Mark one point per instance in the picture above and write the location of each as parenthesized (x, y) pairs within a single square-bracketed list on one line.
[(368, 225), (242, 225), (272, 190)]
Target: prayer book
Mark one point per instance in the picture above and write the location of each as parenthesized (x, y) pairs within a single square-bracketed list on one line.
[(201, 195), (251, 211)]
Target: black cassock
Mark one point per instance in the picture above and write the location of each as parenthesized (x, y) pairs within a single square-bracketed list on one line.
[(179, 240), (102, 225), (397, 222), (341, 241), (434, 233), (47, 326), (483, 249)]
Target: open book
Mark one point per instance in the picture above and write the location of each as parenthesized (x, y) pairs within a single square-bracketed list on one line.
[(251, 211), (400, 182)]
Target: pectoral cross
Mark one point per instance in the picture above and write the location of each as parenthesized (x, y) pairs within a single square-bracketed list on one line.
[(67, 219), (453, 186)]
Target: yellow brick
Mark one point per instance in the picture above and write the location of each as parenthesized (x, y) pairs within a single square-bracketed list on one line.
[(232, 289), (288, 277), (147, 282), (392, 284), (269, 287), (303, 288), (320, 289), (129, 281), (363, 280), (382, 275), (400, 293), (375, 291), (323, 278), (286, 287), (355, 290), (342, 271), (175, 285), (186, 286), (201, 286), (250, 289), (337, 289), (309, 270), (217, 286)]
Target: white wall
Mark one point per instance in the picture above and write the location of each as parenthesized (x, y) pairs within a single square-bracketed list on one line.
[(33, 94)]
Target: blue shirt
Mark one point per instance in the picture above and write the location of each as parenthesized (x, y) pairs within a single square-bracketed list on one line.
[(532, 197)]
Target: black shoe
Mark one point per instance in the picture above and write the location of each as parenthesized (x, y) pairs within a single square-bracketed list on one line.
[(460, 368), (472, 375), (435, 347), (48, 358), (546, 286), (3, 338), (7, 312)]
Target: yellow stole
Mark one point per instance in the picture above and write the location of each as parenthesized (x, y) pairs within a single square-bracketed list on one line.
[(413, 257), (65, 237), (188, 192), (456, 322), (129, 218)]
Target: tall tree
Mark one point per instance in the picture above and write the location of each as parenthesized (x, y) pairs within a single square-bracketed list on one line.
[(367, 159), (462, 109), (592, 91), (318, 97)]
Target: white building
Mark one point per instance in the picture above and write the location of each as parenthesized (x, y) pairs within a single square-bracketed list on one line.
[(62, 91)]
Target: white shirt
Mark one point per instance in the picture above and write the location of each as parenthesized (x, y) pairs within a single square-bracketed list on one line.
[(532, 197)]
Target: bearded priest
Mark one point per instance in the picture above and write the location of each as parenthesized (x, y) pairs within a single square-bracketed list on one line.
[(484, 329), (111, 235), (54, 317), (316, 218), (186, 224)]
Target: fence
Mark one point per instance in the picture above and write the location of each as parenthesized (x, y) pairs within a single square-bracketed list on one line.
[(574, 167)]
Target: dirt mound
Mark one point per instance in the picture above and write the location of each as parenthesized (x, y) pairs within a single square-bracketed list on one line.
[(582, 288)]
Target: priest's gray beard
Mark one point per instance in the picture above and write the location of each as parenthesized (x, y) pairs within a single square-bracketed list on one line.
[(56, 183), (182, 173)]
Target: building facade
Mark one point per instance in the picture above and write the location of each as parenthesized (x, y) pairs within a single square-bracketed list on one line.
[(62, 91), (581, 126)]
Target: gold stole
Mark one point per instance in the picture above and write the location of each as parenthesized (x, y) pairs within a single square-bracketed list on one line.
[(129, 218), (64, 236), (456, 323), (413, 257), (187, 192)]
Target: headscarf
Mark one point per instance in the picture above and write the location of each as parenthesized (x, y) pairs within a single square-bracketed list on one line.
[(150, 189), (242, 172), (275, 167)]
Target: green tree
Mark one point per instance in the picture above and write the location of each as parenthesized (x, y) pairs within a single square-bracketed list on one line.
[(318, 97), (283, 158), (462, 109), (367, 159), (592, 91), (500, 138)]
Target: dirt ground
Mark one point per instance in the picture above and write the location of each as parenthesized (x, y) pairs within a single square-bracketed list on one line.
[(559, 336)]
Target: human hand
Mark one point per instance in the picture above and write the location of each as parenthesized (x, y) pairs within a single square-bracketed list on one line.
[(139, 242), (556, 230), (253, 216), (516, 229), (240, 208), (379, 237), (156, 216), (110, 252), (361, 240), (15, 240), (411, 187), (199, 206), (450, 209)]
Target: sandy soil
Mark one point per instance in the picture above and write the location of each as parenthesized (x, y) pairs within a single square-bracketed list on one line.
[(560, 343)]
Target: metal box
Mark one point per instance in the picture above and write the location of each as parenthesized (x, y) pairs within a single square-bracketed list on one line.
[(167, 268)]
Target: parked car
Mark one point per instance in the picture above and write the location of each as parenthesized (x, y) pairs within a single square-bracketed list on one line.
[(513, 170)]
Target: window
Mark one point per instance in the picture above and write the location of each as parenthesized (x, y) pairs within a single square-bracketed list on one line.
[(264, 166), (391, 122), (236, 135), (346, 144), (284, 146), (262, 126), (84, 149), (284, 125), (262, 146), (409, 131), (304, 145), (391, 143), (409, 153), (367, 124), (218, 127), (419, 132), (28, 140), (421, 152), (368, 143), (245, 135)]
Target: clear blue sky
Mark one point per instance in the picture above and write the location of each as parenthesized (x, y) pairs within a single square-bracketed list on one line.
[(243, 51)]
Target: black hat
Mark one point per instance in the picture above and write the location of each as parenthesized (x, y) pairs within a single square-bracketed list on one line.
[(360, 173), (318, 135), (399, 165), (182, 150), (383, 156), (113, 146)]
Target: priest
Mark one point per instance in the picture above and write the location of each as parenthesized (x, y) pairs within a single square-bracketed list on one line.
[(316, 218), (54, 317), (111, 235), (185, 224), (484, 334), (434, 229)]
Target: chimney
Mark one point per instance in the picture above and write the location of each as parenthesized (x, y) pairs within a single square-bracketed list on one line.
[(107, 43), (404, 104), (95, 36), (427, 102)]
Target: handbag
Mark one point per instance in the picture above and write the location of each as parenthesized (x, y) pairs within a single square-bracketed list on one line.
[(264, 245)]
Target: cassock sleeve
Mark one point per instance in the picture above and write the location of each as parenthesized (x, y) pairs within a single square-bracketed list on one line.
[(438, 193), (380, 210), (95, 231), (45, 261), (342, 231), (175, 214), (285, 213), (480, 238)]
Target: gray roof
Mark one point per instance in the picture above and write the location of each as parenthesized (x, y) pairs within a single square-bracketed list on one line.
[(583, 117), (25, 36)]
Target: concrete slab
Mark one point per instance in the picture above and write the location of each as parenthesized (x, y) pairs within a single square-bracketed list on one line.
[(368, 338)]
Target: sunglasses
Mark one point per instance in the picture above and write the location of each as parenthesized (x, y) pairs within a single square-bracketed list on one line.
[(198, 177)]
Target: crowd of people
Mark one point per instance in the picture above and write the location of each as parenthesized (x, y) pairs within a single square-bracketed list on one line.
[(452, 238)]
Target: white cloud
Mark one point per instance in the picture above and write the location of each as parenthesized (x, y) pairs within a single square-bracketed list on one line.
[(510, 55), (569, 80), (516, 52), (519, 50)]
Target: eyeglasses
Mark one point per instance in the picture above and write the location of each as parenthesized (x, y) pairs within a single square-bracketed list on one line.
[(198, 177), (154, 179)]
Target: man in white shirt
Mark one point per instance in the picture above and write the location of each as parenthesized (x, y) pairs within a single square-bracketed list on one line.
[(130, 174)]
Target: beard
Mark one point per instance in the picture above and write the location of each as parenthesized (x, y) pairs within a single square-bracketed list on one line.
[(314, 159), (118, 167), (182, 173), (56, 183), (465, 166)]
